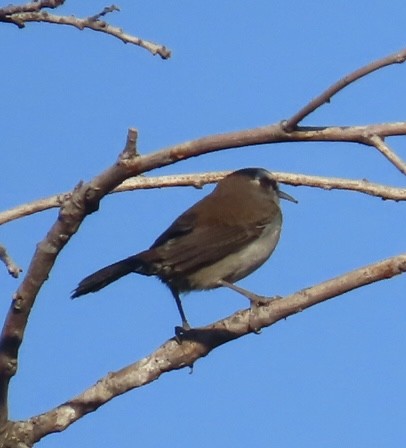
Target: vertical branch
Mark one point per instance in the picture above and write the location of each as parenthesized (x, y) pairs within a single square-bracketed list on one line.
[(23, 301), (83, 200)]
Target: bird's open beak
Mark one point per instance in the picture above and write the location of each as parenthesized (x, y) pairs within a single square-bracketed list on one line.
[(286, 196)]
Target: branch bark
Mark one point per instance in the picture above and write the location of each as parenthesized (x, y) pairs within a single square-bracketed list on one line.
[(11, 266), (395, 58), (386, 151), (200, 342), (32, 12), (197, 180), (75, 206)]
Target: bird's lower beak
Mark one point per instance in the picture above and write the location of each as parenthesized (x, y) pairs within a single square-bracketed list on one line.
[(286, 196)]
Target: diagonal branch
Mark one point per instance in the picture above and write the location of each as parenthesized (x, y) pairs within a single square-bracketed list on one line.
[(395, 58), (200, 342), (386, 151)]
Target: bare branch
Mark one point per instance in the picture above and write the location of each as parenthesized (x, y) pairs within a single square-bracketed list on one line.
[(200, 342), (197, 180), (85, 199), (106, 10), (258, 136), (12, 268), (384, 149), (34, 6), (396, 58), (32, 12)]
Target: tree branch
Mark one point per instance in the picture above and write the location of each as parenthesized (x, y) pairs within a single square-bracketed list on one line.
[(395, 58), (385, 150), (201, 341), (85, 199), (197, 180), (32, 12), (12, 268), (255, 136), (34, 6)]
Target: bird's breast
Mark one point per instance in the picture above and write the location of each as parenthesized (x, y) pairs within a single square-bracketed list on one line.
[(240, 263)]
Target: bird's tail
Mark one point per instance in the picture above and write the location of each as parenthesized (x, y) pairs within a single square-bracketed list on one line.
[(99, 279)]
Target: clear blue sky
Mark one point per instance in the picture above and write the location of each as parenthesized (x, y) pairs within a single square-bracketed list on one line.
[(332, 376)]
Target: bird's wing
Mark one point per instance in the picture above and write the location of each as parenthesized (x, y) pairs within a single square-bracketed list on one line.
[(203, 246), (180, 227)]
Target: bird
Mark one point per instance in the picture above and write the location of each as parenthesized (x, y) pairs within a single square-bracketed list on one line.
[(218, 241)]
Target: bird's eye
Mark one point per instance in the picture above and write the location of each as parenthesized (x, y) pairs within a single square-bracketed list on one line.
[(267, 182)]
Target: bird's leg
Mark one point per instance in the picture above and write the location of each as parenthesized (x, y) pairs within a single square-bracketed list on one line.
[(255, 299), (179, 331)]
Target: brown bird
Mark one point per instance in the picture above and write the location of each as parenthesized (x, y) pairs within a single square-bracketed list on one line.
[(221, 239)]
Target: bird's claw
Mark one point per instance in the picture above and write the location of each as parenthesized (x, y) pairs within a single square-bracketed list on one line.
[(258, 301), (180, 332), (255, 303)]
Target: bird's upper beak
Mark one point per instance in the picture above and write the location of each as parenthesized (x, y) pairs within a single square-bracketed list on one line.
[(286, 196)]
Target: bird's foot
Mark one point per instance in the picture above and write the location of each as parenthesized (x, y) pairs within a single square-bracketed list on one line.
[(180, 332), (256, 301)]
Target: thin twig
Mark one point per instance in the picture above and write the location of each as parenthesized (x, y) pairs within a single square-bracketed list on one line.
[(385, 150), (171, 356), (396, 58), (22, 16), (11, 266), (106, 10), (199, 179)]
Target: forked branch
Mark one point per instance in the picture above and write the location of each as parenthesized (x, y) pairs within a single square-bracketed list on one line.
[(395, 58)]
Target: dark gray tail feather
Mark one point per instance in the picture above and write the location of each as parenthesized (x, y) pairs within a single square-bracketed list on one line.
[(109, 274)]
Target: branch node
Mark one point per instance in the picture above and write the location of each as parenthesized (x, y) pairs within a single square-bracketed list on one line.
[(105, 11), (284, 124), (130, 149), (92, 199), (379, 143)]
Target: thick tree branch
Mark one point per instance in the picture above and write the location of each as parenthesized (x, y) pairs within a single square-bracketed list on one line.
[(32, 12), (395, 58), (197, 180), (200, 342), (83, 200)]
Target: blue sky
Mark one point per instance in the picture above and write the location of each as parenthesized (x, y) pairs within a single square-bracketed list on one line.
[(331, 376)]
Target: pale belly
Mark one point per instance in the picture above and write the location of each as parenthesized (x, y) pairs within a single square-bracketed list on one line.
[(238, 265)]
